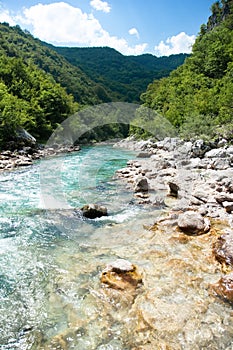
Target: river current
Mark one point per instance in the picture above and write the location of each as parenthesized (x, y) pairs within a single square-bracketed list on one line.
[(51, 260)]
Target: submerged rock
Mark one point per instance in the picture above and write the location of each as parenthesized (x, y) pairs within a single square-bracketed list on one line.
[(224, 287), (193, 223), (223, 249), (92, 211), (121, 275)]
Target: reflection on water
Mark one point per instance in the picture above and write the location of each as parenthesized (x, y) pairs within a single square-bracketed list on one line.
[(51, 261)]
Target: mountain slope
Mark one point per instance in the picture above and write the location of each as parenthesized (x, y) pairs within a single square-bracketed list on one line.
[(123, 77), (197, 97), (14, 42)]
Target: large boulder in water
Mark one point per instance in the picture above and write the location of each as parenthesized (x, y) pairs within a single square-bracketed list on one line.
[(92, 211)]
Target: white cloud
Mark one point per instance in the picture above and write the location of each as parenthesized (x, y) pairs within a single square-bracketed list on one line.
[(62, 24), (5, 16), (180, 43), (100, 5), (134, 31)]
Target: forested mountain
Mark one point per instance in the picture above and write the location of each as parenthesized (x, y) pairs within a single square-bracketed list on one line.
[(39, 88), (197, 97), (14, 42), (122, 78)]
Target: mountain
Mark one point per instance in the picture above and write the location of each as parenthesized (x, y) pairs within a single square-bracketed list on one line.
[(14, 42), (123, 78), (197, 97)]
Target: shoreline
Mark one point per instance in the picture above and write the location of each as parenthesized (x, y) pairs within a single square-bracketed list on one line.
[(181, 176), (195, 189), (11, 160)]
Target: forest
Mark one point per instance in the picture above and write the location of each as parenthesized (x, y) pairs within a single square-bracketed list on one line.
[(41, 85), (40, 88), (197, 97)]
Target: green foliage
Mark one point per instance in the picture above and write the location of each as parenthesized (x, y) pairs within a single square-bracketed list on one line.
[(197, 97), (14, 42), (119, 77), (31, 99)]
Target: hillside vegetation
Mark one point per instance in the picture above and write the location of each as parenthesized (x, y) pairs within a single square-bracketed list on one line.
[(40, 88), (197, 98), (119, 77)]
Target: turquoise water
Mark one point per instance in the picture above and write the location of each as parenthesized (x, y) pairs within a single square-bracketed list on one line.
[(37, 244), (51, 260)]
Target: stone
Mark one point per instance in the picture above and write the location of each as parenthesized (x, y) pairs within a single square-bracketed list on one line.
[(224, 287), (141, 184), (92, 211), (228, 206), (216, 153), (223, 249), (122, 275), (143, 155), (193, 223), (174, 188), (224, 197)]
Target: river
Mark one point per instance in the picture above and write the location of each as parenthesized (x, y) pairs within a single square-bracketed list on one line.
[(51, 261)]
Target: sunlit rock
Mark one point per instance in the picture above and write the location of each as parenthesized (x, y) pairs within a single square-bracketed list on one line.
[(121, 275), (223, 249), (224, 287), (193, 223)]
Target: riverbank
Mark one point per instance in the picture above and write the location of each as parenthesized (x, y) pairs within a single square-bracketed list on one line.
[(192, 182), (26, 156), (190, 175)]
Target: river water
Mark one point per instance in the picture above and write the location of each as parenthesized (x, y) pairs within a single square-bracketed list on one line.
[(51, 261)]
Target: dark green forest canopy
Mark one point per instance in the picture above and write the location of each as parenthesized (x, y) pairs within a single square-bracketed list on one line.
[(119, 77), (197, 97)]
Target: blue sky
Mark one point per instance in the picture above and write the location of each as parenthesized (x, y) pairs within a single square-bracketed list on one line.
[(160, 27)]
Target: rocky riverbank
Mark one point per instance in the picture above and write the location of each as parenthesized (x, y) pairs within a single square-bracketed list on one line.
[(10, 160), (193, 183)]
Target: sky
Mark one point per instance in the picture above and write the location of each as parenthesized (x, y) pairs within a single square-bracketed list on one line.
[(132, 27)]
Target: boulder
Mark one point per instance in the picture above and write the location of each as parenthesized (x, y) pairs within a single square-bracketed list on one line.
[(92, 211), (193, 223), (216, 153), (141, 184), (224, 287), (224, 197), (121, 275), (223, 249), (174, 188)]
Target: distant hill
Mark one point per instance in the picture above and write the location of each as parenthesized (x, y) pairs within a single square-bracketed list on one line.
[(123, 78)]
